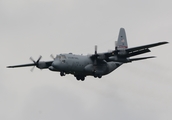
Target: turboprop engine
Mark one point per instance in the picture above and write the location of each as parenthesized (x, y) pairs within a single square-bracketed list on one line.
[(42, 65), (38, 64)]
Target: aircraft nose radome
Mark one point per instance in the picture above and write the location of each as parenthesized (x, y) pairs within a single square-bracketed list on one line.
[(55, 64)]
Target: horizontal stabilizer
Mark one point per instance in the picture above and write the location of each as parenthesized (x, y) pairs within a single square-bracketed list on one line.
[(127, 60), (142, 58)]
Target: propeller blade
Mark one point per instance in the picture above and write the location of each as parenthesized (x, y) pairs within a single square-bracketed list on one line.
[(52, 56), (32, 60), (32, 69), (96, 49), (38, 59), (116, 42), (35, 63)]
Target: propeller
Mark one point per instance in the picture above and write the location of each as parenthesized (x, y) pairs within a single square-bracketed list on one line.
[(36, 63), (95, 53), (95, 49), (52, 56), (116, 47)]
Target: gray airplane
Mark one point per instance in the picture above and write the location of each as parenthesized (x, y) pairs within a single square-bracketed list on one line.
[(97, 64)]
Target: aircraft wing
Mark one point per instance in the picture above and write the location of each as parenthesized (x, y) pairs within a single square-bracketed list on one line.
[(23, 65), (40, 65), (145, 46), (129, 52)]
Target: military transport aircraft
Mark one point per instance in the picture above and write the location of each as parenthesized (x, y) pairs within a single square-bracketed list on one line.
[(97, 64)]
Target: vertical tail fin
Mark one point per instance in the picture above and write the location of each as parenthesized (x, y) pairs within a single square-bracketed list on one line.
[(121, 44)]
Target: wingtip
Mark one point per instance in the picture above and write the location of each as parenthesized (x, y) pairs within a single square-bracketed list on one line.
[(9, 67), (153, 57), (165, 42)]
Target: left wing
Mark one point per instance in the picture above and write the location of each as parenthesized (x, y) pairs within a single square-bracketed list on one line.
[(40, 65), (145, 46), (129, 52), (141, 49)]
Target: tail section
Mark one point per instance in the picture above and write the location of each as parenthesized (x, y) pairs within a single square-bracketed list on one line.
[(121, 44)]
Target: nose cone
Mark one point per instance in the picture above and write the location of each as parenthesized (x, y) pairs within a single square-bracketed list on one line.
[(55, 66)]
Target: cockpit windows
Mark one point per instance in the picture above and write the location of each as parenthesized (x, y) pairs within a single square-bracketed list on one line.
[(62, 58)]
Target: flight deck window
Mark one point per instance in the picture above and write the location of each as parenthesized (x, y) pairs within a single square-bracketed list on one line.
[(63, 61), (62, 58)]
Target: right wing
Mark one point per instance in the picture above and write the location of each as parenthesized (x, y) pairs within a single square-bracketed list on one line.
[(23, 65), (40, 65)]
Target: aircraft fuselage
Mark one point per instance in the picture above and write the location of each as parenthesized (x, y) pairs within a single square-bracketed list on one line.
[(81, 65)]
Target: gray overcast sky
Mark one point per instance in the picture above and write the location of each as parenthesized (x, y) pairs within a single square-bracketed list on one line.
[(137, 91)]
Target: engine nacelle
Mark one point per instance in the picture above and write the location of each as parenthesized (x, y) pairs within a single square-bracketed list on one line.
[(101, 57), (42, 65)]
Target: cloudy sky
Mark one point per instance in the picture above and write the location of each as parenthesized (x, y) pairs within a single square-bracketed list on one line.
[(136, 91)]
